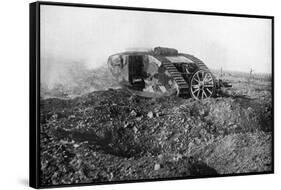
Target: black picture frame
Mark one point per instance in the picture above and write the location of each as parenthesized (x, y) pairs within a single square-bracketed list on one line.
[(34, 91)]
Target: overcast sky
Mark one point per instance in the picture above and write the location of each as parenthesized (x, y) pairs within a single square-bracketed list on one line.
[(90, 35)]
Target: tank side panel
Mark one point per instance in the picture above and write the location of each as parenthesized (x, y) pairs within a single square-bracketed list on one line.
[(124, 71), (157, 80)]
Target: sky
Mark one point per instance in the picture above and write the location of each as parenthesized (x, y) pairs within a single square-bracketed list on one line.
[(88, 36)]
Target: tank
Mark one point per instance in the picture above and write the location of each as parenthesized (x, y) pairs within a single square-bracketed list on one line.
[(164, 72)]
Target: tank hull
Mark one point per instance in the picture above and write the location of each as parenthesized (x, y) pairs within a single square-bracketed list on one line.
[(163, 72)]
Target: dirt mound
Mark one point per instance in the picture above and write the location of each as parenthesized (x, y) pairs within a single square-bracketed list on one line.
[(113, 135)]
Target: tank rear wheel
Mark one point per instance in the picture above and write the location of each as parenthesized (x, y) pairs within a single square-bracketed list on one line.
[(202, 85)]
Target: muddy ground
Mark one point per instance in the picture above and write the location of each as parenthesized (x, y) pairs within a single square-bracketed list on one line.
[(113, 135)]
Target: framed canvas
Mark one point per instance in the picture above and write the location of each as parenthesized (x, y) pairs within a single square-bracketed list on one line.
[(127, 94)]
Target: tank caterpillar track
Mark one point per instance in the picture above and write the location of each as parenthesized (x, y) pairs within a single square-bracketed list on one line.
[(183, 87), (197, 61)]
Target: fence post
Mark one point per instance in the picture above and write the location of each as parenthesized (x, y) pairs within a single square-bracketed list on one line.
[(251, 74)]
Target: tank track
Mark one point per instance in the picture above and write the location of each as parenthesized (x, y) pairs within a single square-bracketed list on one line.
[(183, 87), (197, 61), (200, 65)]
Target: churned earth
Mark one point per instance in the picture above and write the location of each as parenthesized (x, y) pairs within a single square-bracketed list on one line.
[(113, 135)]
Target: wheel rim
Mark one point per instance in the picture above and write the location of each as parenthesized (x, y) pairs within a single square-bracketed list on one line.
[(202, 85)]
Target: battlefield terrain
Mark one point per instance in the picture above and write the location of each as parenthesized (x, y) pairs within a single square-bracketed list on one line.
[(95, 131)]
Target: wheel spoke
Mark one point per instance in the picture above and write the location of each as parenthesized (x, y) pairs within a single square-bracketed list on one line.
[(208, 90), (204, 93), (195, 86), (202, 76), (196, 80), (197, 76), (196, 90), (208, 80), (197, 94), (204, 79)]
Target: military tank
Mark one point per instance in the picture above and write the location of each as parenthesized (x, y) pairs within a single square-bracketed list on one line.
[(164, 72)]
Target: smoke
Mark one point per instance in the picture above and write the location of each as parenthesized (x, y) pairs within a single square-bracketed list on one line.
[(62, 77), (61, 71)]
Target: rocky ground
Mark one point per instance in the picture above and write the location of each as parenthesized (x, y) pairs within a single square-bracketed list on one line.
[(113, 135)]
